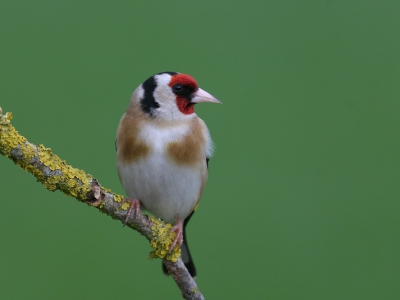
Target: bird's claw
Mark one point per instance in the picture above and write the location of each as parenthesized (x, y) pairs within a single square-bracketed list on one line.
[(178, 239), (135, 205)]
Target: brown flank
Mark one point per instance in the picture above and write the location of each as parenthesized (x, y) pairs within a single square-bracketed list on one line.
[(189, 150), (130, 148)]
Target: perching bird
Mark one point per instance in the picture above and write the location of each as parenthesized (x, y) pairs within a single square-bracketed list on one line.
[(163, 149)]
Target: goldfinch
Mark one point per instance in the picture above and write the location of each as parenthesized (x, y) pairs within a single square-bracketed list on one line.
[(163, 149)]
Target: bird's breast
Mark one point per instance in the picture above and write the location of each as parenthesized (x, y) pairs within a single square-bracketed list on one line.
[(169, 171), (184, 144)]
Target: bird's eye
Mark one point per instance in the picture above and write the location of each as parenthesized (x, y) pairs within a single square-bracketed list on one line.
[(178, 87)]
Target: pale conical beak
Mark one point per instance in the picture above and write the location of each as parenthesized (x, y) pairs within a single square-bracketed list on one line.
[(202, 96)]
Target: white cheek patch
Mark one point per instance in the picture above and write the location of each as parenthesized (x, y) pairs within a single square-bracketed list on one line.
[(163, 79), (164, 96), (163, 90)]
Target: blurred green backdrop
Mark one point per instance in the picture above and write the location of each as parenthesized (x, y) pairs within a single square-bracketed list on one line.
[(302, 200)]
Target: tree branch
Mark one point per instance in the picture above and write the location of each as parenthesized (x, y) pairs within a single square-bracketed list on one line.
[(55, 174)]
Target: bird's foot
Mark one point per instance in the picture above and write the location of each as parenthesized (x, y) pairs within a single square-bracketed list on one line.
[(135, 205), (178, 229)]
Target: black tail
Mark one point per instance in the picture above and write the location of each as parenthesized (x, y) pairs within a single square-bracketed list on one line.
[(186, 257)]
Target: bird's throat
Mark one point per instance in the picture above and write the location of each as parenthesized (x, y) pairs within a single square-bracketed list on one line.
[(184, 105)]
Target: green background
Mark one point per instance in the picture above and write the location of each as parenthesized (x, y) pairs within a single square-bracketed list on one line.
[(302, 200)]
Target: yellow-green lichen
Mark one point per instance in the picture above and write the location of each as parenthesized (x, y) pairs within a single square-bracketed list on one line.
[(162, 240), (125, 205), (28, 151), (9, 137), (106, 190), (118, 198), (71, 181)]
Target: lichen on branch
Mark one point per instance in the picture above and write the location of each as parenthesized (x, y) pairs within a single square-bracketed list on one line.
[(48, 168)]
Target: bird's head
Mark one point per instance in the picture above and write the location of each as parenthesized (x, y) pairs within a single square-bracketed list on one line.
[(170, 96)]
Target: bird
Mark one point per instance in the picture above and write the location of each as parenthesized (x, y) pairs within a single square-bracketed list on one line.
[(163, 149)]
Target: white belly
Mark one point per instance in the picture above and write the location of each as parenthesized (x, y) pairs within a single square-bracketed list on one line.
[(167, 190)]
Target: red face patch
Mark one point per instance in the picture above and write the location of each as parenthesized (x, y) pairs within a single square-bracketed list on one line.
[(184, 105), (182, 100)]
